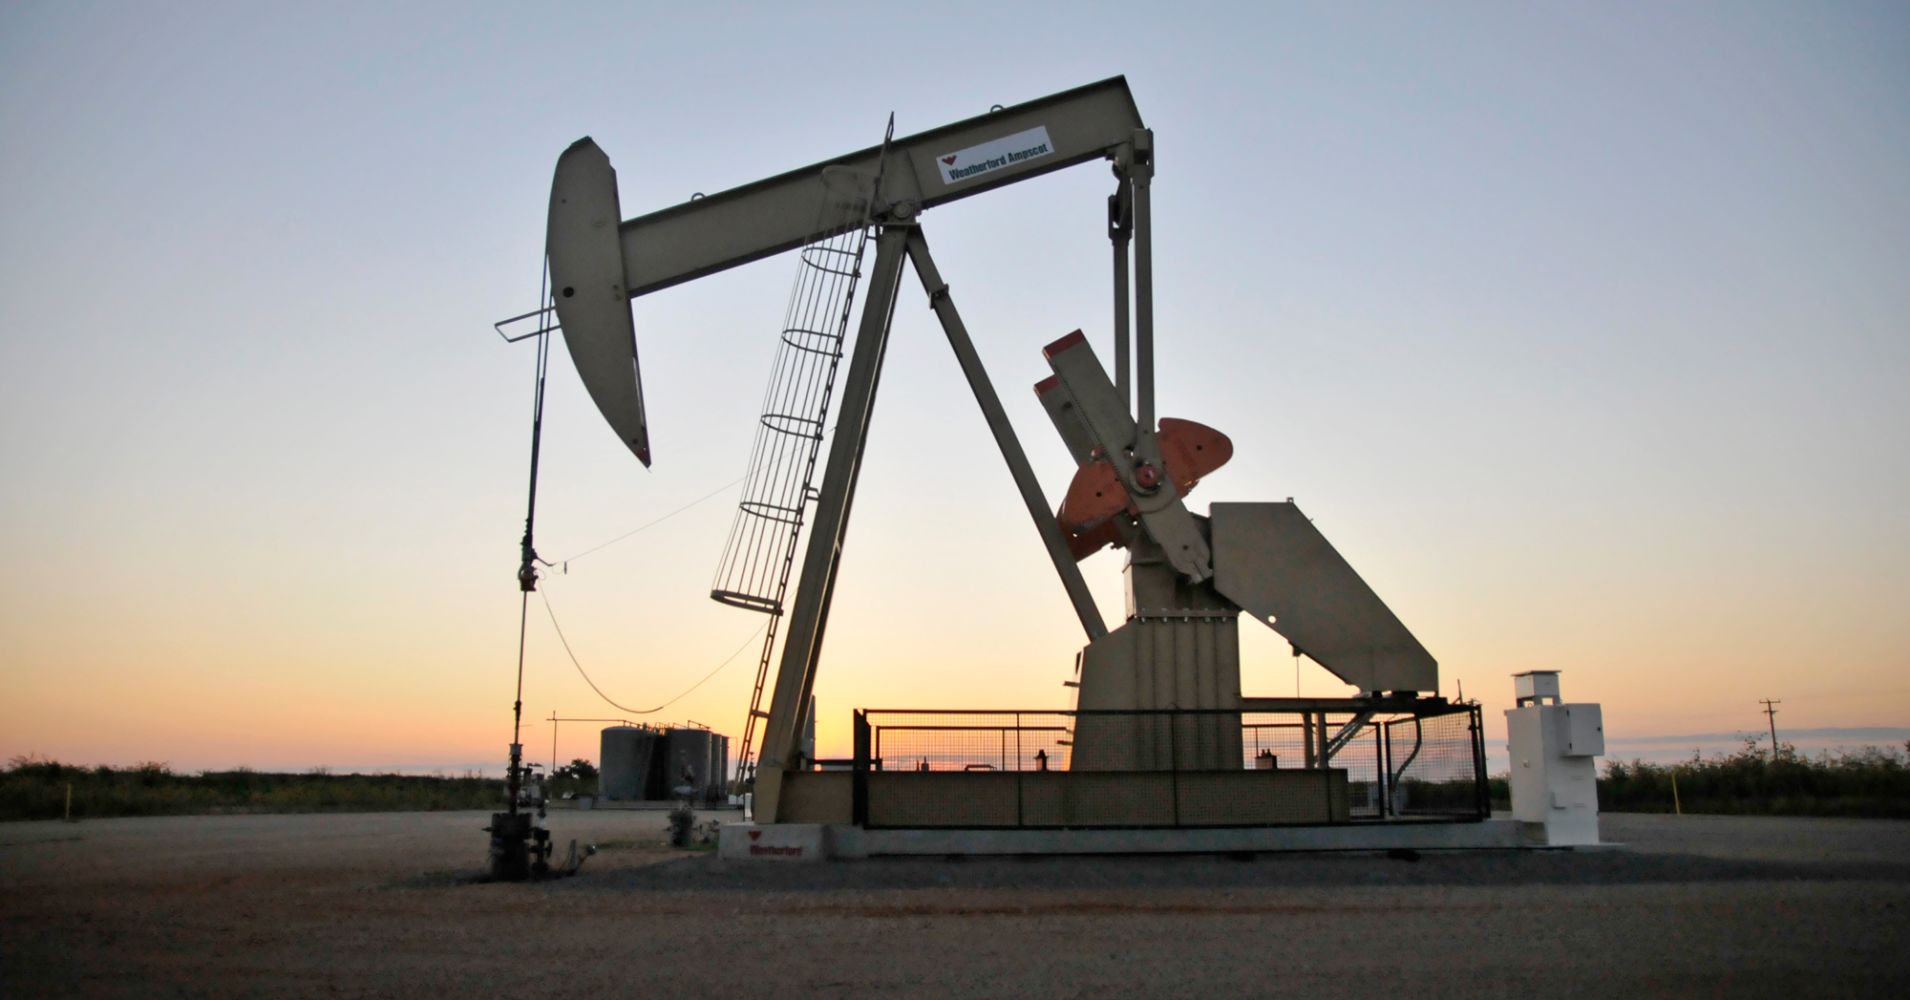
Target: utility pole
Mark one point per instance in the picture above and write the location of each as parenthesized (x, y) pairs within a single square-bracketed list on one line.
[(1770, 713)]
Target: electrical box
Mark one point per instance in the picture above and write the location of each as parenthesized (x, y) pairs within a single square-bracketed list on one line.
[(1584, 730), (1554, 771), (1535, 685)]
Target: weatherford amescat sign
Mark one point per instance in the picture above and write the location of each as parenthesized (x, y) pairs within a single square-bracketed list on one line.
[(994, 154), (776, 842), (758, 850)]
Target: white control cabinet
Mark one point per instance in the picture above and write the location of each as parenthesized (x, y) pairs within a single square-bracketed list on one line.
[(1554, 760)]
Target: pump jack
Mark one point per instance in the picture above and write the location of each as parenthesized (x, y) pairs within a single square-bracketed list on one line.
[(1188, 576)]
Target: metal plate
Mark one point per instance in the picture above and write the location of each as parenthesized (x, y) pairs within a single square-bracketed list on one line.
[(1272, 561)]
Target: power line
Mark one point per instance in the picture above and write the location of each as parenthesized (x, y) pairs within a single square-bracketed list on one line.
[(641, 711), (1770, 712), (651, 524)]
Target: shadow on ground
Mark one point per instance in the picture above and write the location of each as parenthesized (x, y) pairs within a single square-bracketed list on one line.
[(703, 873)]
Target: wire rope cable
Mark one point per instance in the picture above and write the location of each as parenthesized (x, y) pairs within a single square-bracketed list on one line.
[(711, 495), (552, 612), (526, 572)]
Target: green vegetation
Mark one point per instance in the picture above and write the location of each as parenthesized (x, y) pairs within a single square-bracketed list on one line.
[(36, 788), (1872, 781), (575, 779)]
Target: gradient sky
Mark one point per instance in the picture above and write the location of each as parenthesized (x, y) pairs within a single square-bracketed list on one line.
[(1583, 331)]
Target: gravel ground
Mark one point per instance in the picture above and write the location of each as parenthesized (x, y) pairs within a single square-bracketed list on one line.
[(388, 905)]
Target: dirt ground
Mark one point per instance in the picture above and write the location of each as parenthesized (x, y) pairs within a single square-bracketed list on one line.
[(387, 905)]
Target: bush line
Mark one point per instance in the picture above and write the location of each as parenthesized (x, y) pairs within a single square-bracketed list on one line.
[(36, 788)]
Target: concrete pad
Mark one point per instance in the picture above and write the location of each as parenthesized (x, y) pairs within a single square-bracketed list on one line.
[(799, 842), (854, 842)]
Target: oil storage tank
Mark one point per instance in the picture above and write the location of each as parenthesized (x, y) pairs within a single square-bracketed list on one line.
[(704, 755), (624, 762), (718, 789)]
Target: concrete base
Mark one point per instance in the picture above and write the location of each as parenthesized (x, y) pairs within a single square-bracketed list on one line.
[(853, 842), (814, 841), (773, 842), (639, 805)]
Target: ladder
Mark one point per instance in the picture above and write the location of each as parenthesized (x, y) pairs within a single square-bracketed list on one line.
[(760, 555)]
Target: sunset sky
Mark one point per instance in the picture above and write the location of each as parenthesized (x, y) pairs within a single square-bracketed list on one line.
[(1582, 331)]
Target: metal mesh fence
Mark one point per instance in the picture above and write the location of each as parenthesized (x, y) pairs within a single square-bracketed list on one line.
[(982, 741), (1435, 765), (1343, 741), (1166, 768)]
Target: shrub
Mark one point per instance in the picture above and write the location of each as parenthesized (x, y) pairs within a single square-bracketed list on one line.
[(1870, 781), (33, 787)]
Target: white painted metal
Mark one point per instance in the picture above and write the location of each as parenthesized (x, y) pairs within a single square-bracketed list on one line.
[(1584, 730), (1535, 685), (593, 306), (1272, 561), (728, 228), (1190, 662), (1555, 770)]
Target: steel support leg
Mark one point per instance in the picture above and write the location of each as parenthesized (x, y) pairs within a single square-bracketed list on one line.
[(1018, 467), (796, 675)]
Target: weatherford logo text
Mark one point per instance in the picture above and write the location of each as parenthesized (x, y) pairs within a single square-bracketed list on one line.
[(994, 154), (760, 849)]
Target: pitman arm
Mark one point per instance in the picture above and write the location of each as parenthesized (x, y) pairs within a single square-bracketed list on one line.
[(1087, 410)]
